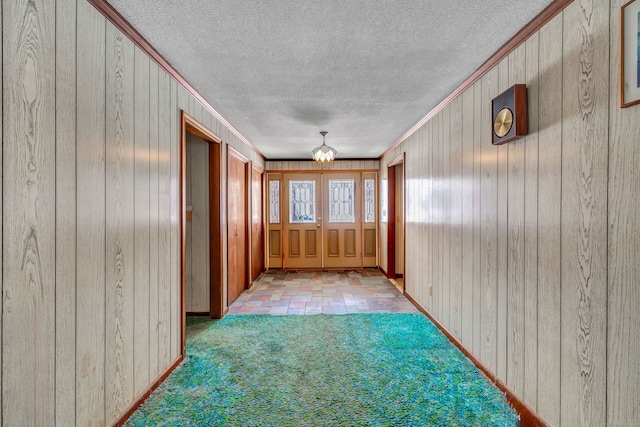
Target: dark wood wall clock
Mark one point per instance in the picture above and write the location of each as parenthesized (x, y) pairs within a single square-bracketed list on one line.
[(509, 112)]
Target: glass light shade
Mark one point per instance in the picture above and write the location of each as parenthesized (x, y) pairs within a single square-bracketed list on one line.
[(324, 153)]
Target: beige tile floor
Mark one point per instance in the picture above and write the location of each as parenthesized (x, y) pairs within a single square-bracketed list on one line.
[(328, 292)]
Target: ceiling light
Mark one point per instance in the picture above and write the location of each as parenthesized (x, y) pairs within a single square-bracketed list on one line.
[(324, 153)]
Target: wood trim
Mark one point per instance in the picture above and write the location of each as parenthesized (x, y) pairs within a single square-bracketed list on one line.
[(123, 25), (197, 314), (216, 211), (347, 159), (528, 418), (322, 171), (391, 222), (395, 162), (238, 155), (404, 221), (256, 167), (259, 170), (200, 130), (144, 396), (183, 232), (521, 36)]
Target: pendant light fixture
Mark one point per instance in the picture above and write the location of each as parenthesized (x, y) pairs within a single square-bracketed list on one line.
[(324, 153)]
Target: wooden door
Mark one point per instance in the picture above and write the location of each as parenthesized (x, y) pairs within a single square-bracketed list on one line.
[(342, 220), (257, 240), (237, 226), (302, 220)]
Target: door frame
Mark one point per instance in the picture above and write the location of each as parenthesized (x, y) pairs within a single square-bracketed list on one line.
[(191, 125), (257, 168), (391, 208), (281, 173)]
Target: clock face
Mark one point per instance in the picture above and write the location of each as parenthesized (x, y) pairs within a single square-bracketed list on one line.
[(509, 112), (503, 122)]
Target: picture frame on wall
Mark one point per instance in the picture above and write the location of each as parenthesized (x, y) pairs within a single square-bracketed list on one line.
[(630, 54)]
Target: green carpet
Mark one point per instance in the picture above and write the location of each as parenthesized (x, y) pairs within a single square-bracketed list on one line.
[(323, 370)]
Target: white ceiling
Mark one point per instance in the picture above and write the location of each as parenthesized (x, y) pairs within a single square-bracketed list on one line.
[(364, 71)]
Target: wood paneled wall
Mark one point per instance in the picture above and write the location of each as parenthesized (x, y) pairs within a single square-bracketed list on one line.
[(528, 252), (90, 215), (310, 165)]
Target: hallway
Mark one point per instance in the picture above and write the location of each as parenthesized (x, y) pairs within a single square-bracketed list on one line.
[(321, 292)]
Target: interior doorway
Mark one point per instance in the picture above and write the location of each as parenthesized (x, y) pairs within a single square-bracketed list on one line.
[(209, 217), (396, 215)]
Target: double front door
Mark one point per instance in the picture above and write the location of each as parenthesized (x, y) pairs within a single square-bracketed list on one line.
[(327, 220)]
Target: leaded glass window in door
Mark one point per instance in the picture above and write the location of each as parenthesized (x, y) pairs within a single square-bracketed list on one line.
[(342, 201), (369, 200), (302, 202), (274, 202)]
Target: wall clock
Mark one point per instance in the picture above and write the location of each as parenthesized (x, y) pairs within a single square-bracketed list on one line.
[(509, 113)]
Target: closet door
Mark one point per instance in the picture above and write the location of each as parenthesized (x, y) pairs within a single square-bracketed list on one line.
[(237, 225), (257, 239)]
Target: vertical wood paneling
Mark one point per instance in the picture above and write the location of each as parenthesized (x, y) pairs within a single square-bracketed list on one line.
[(502, 246), (584, 213), (530, 394), (516, 236), (154, 253), (445, 144), (79, 111), (191, 106), (176, 284), (424, 166), (197, 110), (467, 220), (623, 339), (90, 248), (418, 176), (119, 217), (478, 127), (142, 227), (549, 199), (539, 236), (28, 315), (430, 217), (165, 261), (437, 249), (65, 178), (2, 222), (488, 223), (455, 254)]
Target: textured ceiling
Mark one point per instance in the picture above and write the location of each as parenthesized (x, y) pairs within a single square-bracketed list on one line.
[(364, 71)]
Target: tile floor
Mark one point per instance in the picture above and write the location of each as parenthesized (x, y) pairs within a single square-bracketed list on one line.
[(327, 292)]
